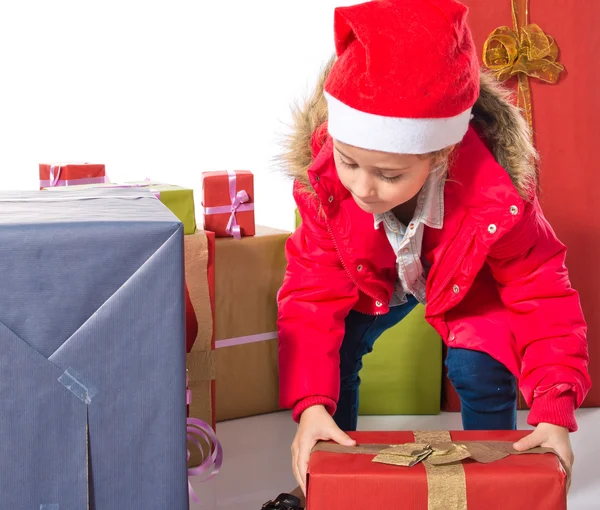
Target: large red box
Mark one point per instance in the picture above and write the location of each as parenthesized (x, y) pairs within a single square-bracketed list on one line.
[(220, 191), (71, 174), (355, 482), (564, 119)]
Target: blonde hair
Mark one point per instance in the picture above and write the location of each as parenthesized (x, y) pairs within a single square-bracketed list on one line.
[(440, 160)]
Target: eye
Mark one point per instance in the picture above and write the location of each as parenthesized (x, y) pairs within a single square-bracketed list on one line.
[(343, 161), (349, 165), (390, 179)]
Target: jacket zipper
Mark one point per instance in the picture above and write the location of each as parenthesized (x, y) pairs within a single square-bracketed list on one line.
[(337, 249)]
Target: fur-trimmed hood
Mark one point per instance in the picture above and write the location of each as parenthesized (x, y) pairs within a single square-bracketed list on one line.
[(500, 122)]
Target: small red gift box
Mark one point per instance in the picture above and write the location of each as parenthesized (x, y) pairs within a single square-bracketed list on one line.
[(71, 174), (477, 470), (228, 203)]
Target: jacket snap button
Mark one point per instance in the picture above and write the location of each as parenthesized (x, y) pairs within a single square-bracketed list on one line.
[(451, 338), (330, 199), (378, 304), (359, 267), (514, 210), (456, 289), (492, 229), (317, 178)]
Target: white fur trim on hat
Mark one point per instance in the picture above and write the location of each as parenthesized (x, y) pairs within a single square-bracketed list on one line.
[(392, 134)]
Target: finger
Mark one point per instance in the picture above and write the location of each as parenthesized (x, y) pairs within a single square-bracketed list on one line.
[(528, 442), (295, 464), (302, 462), (566, 461), (341, 437), (566, 456)]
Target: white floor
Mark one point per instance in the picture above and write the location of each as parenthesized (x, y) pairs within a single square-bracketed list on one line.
[(257, 458)]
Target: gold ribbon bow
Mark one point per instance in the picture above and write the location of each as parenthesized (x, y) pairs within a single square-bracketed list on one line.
[(525, 51)]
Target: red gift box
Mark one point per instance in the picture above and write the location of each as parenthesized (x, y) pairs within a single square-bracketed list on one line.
[(199, 255), (228, 203), (71, 174), (562, 117), (514, 482)]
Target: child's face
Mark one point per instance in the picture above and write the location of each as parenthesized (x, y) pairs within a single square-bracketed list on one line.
[(380, 181)]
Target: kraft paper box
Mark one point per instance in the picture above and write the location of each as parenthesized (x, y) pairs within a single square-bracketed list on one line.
[(249, 273), (200, 280), (70, 174), (178, 199), (560, 115), (224, 192), (92, 352), (477, 470)]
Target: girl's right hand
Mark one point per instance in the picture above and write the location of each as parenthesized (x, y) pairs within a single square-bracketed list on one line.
[(316, 424)]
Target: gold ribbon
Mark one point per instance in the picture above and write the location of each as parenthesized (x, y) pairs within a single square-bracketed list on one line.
[(446, 479), (525, 51), (201, 365)]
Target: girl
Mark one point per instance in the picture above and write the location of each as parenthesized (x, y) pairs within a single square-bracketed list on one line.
[(415, 180)]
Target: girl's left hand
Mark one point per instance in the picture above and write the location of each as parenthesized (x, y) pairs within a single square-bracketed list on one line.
[(550, 436)]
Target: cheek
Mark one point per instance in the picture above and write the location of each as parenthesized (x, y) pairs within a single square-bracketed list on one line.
[(402, 191), (344, 174)]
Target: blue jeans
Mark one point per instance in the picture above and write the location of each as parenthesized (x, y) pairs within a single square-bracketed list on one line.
[(487, 390)]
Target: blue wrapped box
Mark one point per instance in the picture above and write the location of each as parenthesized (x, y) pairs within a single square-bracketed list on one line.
[(92, 352)]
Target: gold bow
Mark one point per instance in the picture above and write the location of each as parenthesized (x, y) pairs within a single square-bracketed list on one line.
[(531, 52), (443, 454), (524, 51)]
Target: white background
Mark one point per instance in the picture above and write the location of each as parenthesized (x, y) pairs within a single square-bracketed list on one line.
[(164, 90)]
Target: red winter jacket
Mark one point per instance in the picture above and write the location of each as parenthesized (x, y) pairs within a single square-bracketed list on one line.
[(498, 281)]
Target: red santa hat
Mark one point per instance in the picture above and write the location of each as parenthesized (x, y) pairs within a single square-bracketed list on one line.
[(406, 76)]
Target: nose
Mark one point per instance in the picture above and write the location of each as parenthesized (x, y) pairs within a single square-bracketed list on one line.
[(363, 187)]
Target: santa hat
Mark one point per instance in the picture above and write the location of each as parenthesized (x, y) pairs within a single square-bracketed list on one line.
[(406, 76)]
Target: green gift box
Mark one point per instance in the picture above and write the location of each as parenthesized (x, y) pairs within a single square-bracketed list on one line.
[(403, 374), (178, 199)]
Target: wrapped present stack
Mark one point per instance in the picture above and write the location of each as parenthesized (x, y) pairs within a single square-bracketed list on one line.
[(92, 354), (542, 50), (435, 470), (403, 374), (250, 269)]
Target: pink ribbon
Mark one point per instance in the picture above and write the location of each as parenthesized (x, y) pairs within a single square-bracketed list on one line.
[(197, 431), (54, 177), (250, 339), (239, 203)]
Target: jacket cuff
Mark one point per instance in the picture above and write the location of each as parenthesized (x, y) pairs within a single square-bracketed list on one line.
[(555, 408), (307, 402)]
